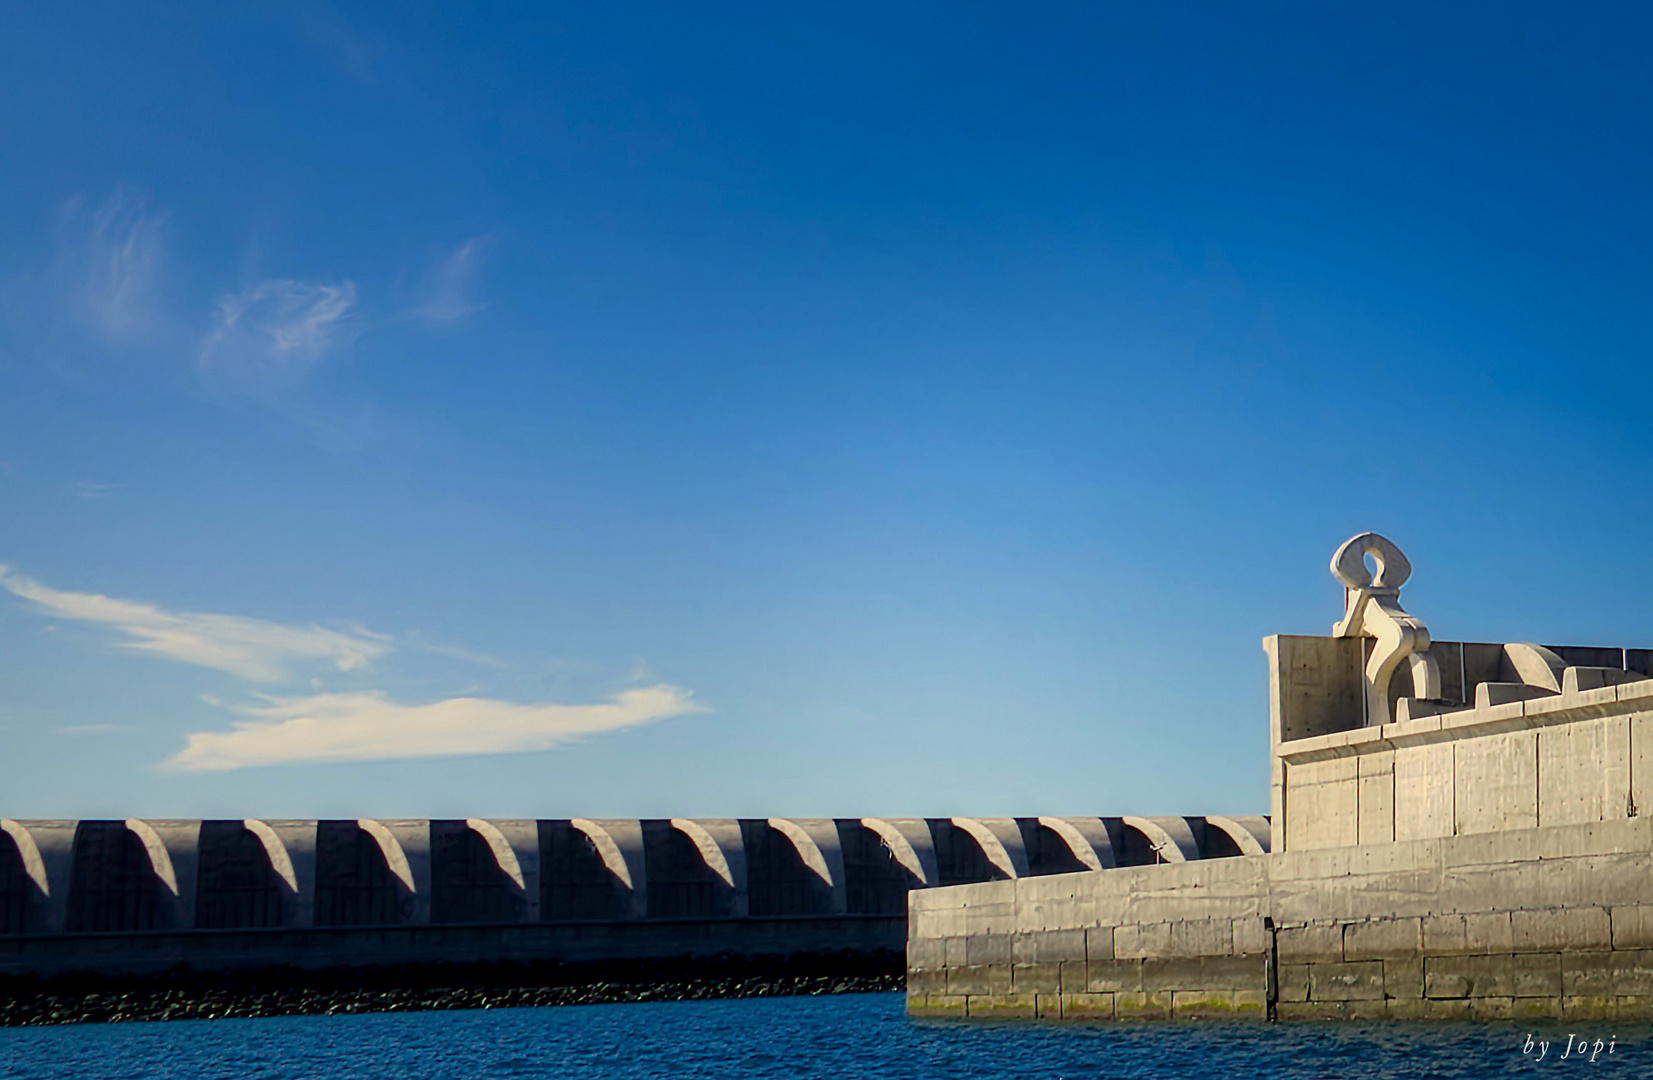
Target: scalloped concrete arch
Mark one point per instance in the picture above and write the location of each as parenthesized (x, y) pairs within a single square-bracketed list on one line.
[(280, 861), (1171, 838), (1250, 834), (1083, 847), (396, 859), (902, 850), (708, 847), (998, 856), (607, 849), (54, 841), (808, 850), (159, 859), (33, 864), (504, 857)]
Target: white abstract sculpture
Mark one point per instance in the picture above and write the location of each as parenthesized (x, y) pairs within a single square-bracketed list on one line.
[(1373, 610)]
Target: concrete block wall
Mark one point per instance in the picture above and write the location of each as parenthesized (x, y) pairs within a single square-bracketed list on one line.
[(1550, 922), (1130, 943)]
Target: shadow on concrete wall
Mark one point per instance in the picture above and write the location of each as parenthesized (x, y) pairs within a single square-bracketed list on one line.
[(16, 899), (237, 886), (354, 886), (135, 876), (874, 882), (115, 885)]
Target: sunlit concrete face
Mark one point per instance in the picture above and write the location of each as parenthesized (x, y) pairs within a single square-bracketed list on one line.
[(1458, 832)]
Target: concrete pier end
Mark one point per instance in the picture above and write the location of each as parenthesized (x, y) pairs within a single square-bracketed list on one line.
[(1458, 831)]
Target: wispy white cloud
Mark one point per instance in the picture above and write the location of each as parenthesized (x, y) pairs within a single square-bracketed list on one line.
[(270, 333), (253, 649), (448, 292), (371, 727), (111, 258)]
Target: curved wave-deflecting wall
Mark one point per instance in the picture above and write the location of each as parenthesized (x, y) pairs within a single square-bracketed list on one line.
[(786, 871), (879, 868), (140, 876), (475, 876), (687, 874), (1242, 836), (960, 859), (17, 888), (584, 873), (357, 883), (237, 883), (1145, 841), (1056, 846), (122, 880)]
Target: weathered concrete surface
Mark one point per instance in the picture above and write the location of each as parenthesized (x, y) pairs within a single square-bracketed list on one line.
[(58, 956), (136, 897), (1566, 758), (1457, 833), (1554, 922)]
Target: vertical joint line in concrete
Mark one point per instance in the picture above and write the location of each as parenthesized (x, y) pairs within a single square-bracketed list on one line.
[(1271, 970), (1630, 809)]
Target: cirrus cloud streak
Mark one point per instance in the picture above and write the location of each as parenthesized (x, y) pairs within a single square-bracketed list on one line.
[(368, 726), (110, 258), (253, 649), (448, 290), (272, 332)]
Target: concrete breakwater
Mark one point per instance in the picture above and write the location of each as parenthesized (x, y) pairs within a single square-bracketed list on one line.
[(1540, 923), (142, 898)]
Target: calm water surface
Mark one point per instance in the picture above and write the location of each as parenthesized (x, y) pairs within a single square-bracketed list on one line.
[(864, 1035)]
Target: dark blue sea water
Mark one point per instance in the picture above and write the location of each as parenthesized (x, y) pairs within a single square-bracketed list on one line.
[(865, 1035)]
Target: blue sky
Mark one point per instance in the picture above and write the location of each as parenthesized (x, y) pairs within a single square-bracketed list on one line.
[(703, 410)]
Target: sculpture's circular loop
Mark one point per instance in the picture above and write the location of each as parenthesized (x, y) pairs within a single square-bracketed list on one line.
[(1349, 563)]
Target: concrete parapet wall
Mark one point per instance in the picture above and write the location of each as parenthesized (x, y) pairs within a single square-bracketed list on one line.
[(1553, 922), (1572, 745)]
